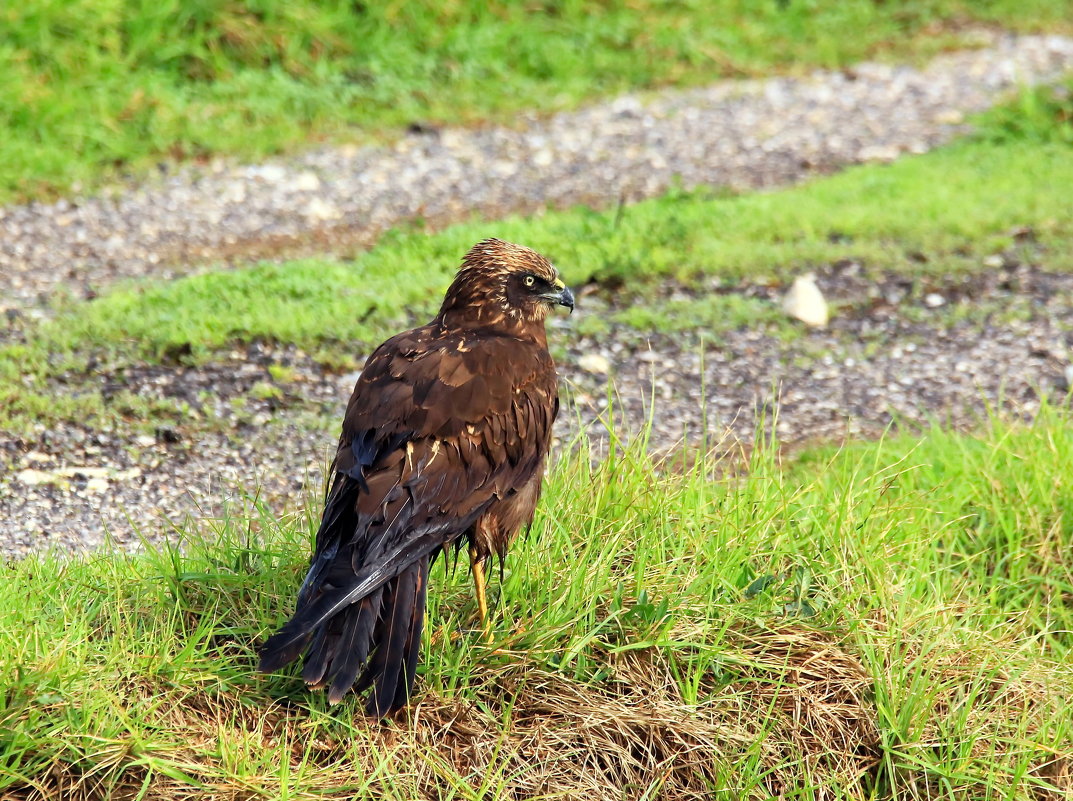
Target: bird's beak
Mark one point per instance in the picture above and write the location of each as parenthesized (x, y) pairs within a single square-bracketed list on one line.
[(562, 295)]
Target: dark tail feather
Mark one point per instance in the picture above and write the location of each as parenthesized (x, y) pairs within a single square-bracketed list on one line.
[(392, 644), (336, 643), (278, 652), (321, 650), (394, 665), (286, 644), (390, 620), (354, 645), (413, 643)]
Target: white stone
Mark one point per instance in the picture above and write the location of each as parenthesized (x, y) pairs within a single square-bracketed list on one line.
[(235, 192), (950, 117), (878, 153), (543, 158), (934, 300), (306, 182), (319, 209), (627, 104), (594, 363), (270, 173), (87, 472), (805, 302), (35, 478)]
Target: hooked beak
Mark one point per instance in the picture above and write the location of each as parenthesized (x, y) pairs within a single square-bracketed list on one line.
[(562, 296)]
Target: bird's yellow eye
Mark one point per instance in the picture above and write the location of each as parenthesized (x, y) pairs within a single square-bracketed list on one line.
[(529, 280)]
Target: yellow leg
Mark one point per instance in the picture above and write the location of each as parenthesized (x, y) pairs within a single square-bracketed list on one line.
[(477, 565)]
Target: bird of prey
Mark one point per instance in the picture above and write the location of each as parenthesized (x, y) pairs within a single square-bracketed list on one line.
[(443, 443)]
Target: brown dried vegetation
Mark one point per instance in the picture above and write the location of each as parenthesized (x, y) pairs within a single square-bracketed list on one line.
[(793, 703)]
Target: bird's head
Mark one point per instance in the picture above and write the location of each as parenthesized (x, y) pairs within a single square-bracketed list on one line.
[(503, 282)]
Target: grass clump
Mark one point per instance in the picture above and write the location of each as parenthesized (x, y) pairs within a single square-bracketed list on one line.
[(90, 87), (887, 621), (1040, 114)]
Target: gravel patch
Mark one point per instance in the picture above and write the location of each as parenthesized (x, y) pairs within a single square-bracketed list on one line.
[(892, 355), (736, 134), (892, 358)]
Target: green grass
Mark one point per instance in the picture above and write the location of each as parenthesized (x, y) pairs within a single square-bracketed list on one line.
[(892, 620), (90, 88), (709, 314), (954, 206), (889, 620), (932, 215)]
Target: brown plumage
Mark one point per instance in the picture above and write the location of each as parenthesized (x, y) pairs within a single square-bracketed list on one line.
[(443, 443)]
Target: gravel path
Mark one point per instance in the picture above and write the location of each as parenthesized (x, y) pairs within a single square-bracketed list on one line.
[(751, 134), (893, 351)]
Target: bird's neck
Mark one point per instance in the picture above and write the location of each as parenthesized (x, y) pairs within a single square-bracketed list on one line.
[(494, 322)]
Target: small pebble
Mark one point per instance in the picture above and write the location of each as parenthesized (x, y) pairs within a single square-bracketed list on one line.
[(594, 363), (804, 301)]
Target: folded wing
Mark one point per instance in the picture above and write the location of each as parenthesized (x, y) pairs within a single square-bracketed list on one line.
[(437, 432)]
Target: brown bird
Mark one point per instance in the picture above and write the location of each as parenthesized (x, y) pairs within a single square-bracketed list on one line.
[(444, 443)]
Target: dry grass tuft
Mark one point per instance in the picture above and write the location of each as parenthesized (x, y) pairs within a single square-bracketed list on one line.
[(816, 702), (790, 708), (797, 706)]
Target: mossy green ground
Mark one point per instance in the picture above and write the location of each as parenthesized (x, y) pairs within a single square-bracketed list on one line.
[(93, 88)]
